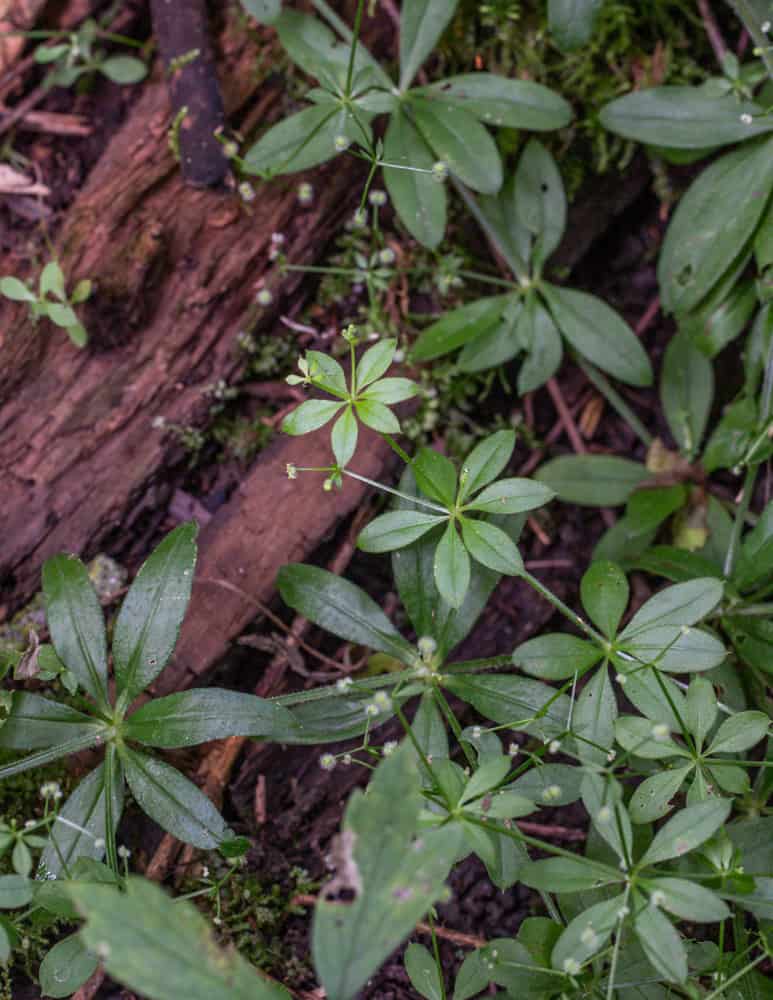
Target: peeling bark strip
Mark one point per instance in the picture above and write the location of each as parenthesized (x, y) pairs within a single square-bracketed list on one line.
[(176, 270), (182, 31)]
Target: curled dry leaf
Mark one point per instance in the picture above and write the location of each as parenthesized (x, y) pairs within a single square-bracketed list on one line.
[(14, 182)]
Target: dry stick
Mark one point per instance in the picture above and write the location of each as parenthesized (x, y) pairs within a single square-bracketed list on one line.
[(218, 764), (648, 317), (712, 30)]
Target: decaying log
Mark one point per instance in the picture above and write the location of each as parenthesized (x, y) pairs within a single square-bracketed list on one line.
[(176, 271)]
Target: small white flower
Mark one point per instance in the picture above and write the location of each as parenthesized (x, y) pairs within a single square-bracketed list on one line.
[(551, 793), (623, 912), (342, 142), (660, 732), (346, 759), (439, 171), (327, 762), (514, 749), (604, 814), (382, 701), (372, 710), (158, 423), (205, 872), (99, 843), (377, 198), (746, 118), (589, 937), (217, 921), (386, 256), (426, 646), (305, 194), (685, 629), (51, 790), (359, 219), (398, 356), (477, 732), (554, 746), (343, 684), (292, 470), (571, 966), (765, 27), (28, 825), (124, 853), (230, 149), (246, 191), (611, 756), (103, 949), (657, 898), (264, 297), (389, 748), (278, 239)]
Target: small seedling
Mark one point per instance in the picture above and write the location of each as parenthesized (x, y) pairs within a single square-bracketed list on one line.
[(51, 300)]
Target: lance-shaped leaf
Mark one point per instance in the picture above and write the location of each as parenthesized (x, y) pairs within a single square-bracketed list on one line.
[(682, 604), (593, 480), (396, 529), (419, 200), (190, 717), (593, 721), (452, 567), (540, 199), (79, 830), (604, 801), (164, 949), (556, 656), (496, 100), (486, 460), (516, 701), (310, 415), (661, 942), (687, 391), (683, 118), (35, 722), (459, 140), (564, 874), (740, 732), (66, 967), (422, 22), (511, 496), (301, 141), (687, 830), (652, 798), (688, 900), (490, 546), (587, 934), (152, 612), (599, 334), (76, 623), (387, 877), (571, 22), (173, 801), (435, 475), (342, 608), (457, 327), (604, 591), (331, 719)]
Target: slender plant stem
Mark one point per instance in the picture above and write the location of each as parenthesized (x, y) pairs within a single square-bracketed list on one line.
[(740, 513), (109, 779), (614, 399), (397, 493), (559, 605)]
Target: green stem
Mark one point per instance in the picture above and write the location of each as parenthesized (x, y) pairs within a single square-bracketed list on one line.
[(436, 952), (614, 399), (734, 978), (453, 722), (559, 605), (397, 449), (353, 48), (743, 505), (616, 949), (110, 765), (397, 493), (488, 279)]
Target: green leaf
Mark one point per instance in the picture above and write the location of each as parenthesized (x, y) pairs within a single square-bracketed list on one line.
[(419, 199), (556, 656), (379, 861), (548, 784), (599, 334), (342, 608), (636, 735), (344, 437), (310, 415), (328, 373), (15, 891), (66, 967), (701, 705), (740, 732), (332, 719), (571, 22), (191, 717), (375, 362), (472, 977), (76, 623), (459, 326), (603, 800), (62, 315), (52, 280), (593, 480), (303, 140), (491, 547), (486, 460), (687, 391), (564, 874), (662, 943), (604, 592), (687, 830), (377, 416), (313, 46), (35, 722), (391, 390), (676, 649), (518, 702), (435, 476), (511, 965), (681, 604), (14, 289), (652, 798), (689, 900), (124, 69), (452, 567), (496, 346), (545, 351), (459, 140), (496, 100), (80, 828), (396, 529), (683, 118), (540, 199), (587, 934), (705, 234), (81, 292), (164, 949), (152, 612), (511, 496), (173, 801), (265, 11), (423, 972), (422, 22), (593, 722)]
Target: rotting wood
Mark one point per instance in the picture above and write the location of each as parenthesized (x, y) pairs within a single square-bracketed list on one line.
[(176, 271)]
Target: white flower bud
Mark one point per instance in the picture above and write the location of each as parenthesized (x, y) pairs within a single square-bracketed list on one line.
[(660, 732), (305, 194), (571, 966), (327, 762)]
